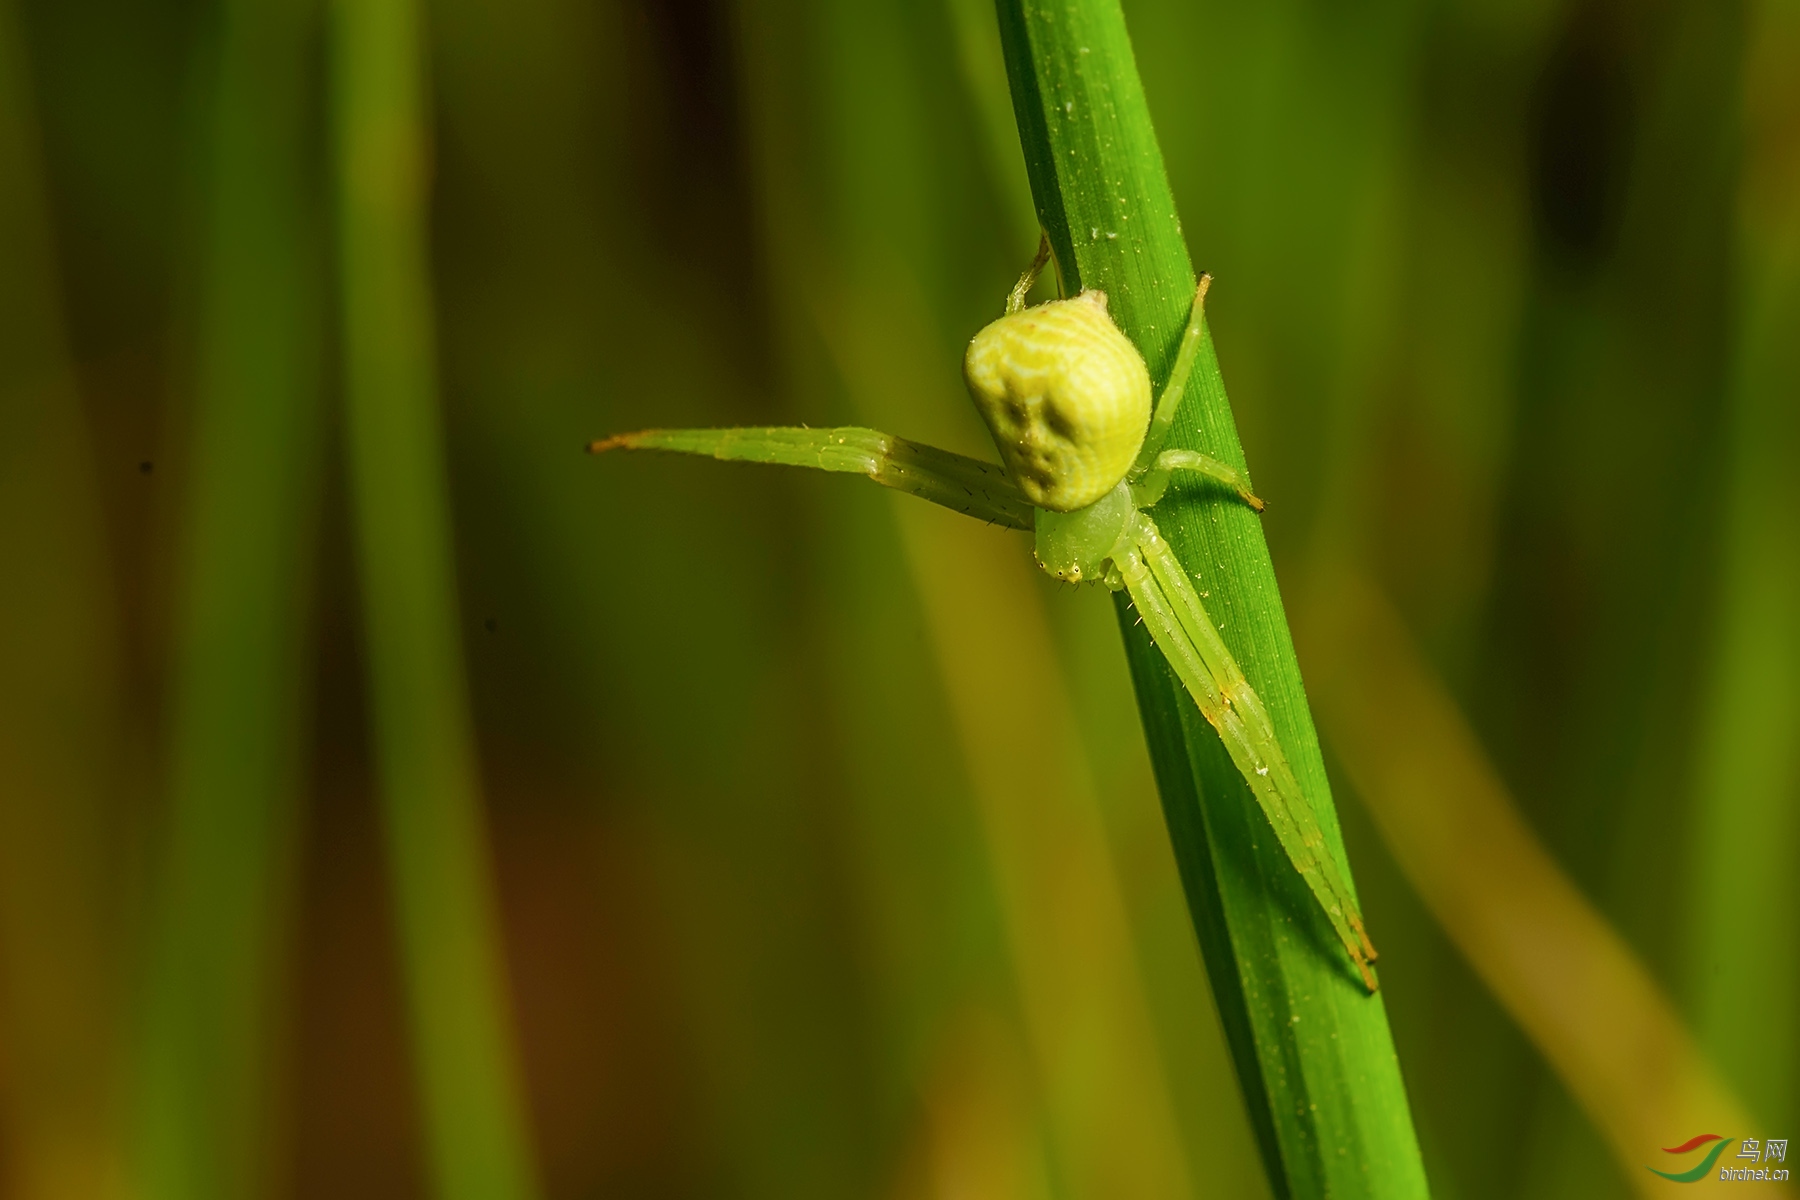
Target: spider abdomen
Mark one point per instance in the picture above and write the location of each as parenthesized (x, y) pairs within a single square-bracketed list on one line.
[(1066, 396)]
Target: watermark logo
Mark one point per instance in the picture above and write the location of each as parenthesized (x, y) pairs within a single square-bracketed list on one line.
[(1756, 1150)]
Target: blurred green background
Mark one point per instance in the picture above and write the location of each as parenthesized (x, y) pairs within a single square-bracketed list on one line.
[(808, 845)]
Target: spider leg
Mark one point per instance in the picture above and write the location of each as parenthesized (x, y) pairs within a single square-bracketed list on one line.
[(1178, 623), (967, 485), (1015, 299), (1176, 387), (1150, 487)]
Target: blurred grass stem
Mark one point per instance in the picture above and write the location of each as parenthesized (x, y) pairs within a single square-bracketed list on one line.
[(1553, 961), (241, 682), (60, 718), (427, 773), (1746, 818)]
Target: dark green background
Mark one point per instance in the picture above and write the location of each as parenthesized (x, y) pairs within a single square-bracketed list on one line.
[(1508, 300)]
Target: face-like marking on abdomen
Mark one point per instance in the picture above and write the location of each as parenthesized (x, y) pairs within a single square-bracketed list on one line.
[(1066, 397)]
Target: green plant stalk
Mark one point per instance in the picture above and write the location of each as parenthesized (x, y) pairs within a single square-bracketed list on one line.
[(1314, 1054), (240, 684), (475, 1127)]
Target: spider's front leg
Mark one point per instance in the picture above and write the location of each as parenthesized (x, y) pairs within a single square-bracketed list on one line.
[(1179, 625), (968, 485)]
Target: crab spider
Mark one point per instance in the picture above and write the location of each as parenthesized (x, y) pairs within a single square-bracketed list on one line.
[(1067, 398)]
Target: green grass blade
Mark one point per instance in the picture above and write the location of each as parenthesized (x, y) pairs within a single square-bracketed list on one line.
[(240, 681), (1314, 1054), (428, 777)]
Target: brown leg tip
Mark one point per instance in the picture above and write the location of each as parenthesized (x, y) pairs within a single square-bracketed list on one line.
[(602, 445)]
